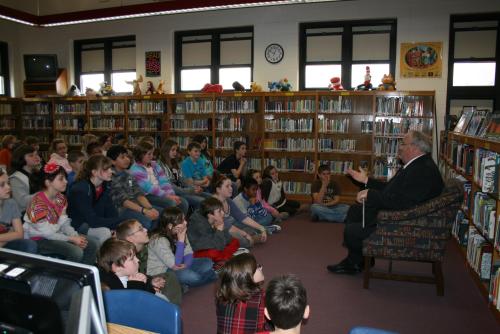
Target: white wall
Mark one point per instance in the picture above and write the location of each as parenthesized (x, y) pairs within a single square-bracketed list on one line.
[(422, 20)]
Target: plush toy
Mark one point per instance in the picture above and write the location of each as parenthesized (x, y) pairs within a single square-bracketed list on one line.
[(73, 91), (212, 88), (150, 88), (335, 84), (285, 86), (160, 89), (106, 89), (273, 86), (367, 84), (136, 84), (388, 83), (238, 87), (255, 87), (90, 92)]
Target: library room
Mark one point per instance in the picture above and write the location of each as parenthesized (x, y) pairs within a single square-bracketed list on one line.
[(347, 150)]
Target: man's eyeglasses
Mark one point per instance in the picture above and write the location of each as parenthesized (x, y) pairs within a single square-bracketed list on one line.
[(141, 229)]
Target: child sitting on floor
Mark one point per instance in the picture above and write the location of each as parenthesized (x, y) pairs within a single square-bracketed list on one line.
[(119, 268), (169, 249), (247, 202), (278, 216), (240, 297), (273, 192)]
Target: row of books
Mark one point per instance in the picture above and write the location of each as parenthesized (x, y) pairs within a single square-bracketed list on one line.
[(329, 144), (486, 170), (252, 163), (484, 214), (234, 124), (386, 168), (38, 122), (338, 166), (408, 106), (460, 229), (107, 123), (7, 123), (109, 107), (190, 124), (70, 108), (335, 125), (386, 146), (298, 106), (340, 104), (227, 142), (146, 107), (69, 124), (291, 164), (5, 109), (42, 108), (289, 125), (297, 188), (479, 254), (479, 123), (71, 139), (147, 124), (133, 140), (236, 106), (462, 157), (194, 107), (400, 126), (290, 144), (494, 295)]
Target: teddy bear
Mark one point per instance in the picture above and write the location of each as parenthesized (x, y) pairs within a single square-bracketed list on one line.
[(136, 85), (255, 87), (335, 84), (212, 88), (388, 83), (160, 89)]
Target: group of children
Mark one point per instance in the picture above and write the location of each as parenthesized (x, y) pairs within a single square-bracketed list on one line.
[(131, 219)]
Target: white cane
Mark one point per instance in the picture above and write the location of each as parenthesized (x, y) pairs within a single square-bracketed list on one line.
[(363, 213)]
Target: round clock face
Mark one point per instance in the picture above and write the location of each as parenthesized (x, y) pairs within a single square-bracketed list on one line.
[(274, 53)]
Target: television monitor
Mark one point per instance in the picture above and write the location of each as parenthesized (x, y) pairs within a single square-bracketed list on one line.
[(40, 67), (47, 295)]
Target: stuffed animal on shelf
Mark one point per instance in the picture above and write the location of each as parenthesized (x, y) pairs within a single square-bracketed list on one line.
[(150, 88), (274, 86), (388, 83), (136, 84), (212, 88), (255, 87), (106, 89), (335, 84), (90, 92), (366, 85), (73, 91), (161, 87), (285, 86), (238, 87)]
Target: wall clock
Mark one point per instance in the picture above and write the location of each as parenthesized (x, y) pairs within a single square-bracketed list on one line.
[(274, 53)]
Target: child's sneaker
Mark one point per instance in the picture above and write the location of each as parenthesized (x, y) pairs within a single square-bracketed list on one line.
[(273, 229), (241, 250)]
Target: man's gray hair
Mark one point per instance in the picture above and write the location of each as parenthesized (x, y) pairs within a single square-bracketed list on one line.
[(422, 141)]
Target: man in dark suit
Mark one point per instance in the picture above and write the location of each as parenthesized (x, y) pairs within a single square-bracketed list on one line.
[(417, 181)]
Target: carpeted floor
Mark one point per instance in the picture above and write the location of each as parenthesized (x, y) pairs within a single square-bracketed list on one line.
[(339, 302)]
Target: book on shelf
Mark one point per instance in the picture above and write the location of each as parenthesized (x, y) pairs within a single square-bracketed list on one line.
[(464, 120), (477, 122), (492, 130), (460, 228)]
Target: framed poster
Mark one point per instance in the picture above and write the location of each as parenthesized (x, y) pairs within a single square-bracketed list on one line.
[(421, 60), (153, 63)]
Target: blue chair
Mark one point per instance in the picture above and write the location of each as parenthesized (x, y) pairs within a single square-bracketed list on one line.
[(142, 310), (369, 330)]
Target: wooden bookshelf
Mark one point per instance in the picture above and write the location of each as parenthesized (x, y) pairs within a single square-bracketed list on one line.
[(476, 228)]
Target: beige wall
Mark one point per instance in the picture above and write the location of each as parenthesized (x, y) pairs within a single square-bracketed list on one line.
[(423, 20)]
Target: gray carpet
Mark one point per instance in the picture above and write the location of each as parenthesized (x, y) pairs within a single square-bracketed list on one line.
[(339, 303)]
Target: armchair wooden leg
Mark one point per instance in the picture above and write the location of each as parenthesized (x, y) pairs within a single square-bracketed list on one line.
[(439, 277), (366, 272)]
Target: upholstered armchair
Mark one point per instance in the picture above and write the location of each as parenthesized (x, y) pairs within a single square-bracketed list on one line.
[(417, 234)]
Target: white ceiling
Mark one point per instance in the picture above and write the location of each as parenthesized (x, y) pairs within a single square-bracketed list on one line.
[(49, 7)]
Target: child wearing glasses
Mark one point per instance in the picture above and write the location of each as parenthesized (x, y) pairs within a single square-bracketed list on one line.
[(119, 268), (240, 298), (169, 250), (131, 230)]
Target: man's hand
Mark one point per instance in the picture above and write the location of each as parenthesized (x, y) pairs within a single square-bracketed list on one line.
[(158, 283), (358, 176), (362, 195)]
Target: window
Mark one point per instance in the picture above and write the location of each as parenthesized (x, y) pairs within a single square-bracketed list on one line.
[(4, 70), (108, 59), (473, 57), (213, 56), (344, 49)]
